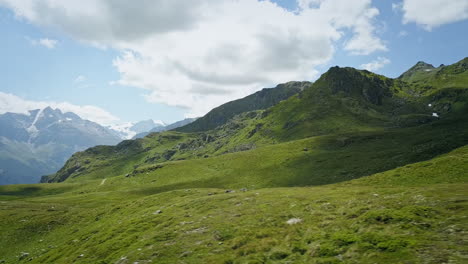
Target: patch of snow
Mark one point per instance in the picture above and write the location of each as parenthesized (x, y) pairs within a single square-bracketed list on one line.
[(69, 119), (32, 129), (430, 105), (51, 116), (435, 115), (293, 221), (428, 70), (39, 114)]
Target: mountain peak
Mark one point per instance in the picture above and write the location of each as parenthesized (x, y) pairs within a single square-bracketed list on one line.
[(424, 64), (354, 83), (419, 67)]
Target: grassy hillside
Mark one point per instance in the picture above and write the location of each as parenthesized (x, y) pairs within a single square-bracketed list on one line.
[(343, 101), (418, 219)]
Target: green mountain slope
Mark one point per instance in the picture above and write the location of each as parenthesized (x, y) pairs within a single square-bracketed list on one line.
[(428, 79), (343, 100), (257, 101), (327, 159)]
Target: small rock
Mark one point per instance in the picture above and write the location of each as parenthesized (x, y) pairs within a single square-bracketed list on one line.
[(81, 255), (293, 221), (23, 255), (157, 212), (185, 254), (305, 149), (375, 195), (127, 175), (229, 191), (243, 190)]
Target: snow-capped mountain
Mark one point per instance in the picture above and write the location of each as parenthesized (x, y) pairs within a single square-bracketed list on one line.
[(39, 142), (129, 130)]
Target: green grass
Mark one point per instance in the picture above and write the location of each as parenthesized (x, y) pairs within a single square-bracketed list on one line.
[(351, 224)]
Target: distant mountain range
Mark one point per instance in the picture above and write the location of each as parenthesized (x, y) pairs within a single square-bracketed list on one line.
[(39, 142)]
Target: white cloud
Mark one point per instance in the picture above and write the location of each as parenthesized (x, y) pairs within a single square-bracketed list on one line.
[(46, 42), (198, 54), (434, 13), (80, 79), (15, 104), (375, 65)]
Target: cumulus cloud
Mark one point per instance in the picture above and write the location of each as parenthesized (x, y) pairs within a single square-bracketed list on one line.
[(45, 42), (197, 54), (15, 104), (433, 13), (375, 65)]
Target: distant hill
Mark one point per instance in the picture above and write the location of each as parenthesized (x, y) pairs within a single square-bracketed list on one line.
[(257, 101), (40, 142)]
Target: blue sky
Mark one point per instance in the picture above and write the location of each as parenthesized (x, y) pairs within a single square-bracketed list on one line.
[(47, 58)]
